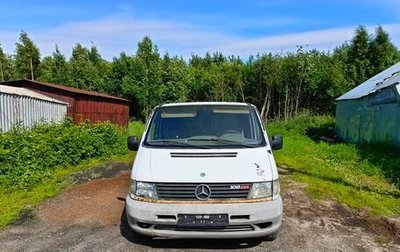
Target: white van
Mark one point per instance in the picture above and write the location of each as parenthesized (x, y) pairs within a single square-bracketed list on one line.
[(205, 170)]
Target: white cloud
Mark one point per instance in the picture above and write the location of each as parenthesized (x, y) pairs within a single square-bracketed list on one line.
[(116, 34), (325, 40)]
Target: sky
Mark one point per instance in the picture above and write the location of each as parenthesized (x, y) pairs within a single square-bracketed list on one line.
[(232, 27)]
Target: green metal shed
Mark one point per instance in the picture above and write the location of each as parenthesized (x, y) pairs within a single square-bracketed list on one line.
[(370, 112)]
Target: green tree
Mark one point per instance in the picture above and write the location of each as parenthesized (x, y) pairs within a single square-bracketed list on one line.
[(7, 66), (55, 69), (198, 88), (120, 68), (341, 57), (83, 72), (46, 69), (382, 53), (280, 85), (27, 58), (174, 78), (233, 71), (2, 64), (215, 79), (289, 79), (262, 81), (358, 59), (143, 83), (61, 71), (325, 81), (102, 69), (206, 81)]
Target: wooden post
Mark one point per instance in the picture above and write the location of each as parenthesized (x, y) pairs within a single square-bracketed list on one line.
[(1, 71), (32, 77)]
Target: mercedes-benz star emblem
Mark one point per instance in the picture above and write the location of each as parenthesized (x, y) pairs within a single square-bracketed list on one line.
[(202, 192)]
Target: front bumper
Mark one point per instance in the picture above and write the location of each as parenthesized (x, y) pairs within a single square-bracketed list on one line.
[(245, 219)]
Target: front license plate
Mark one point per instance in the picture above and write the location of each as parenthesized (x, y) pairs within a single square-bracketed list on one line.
[(203, 220)]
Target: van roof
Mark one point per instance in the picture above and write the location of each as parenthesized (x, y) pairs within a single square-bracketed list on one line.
[(204, 103)]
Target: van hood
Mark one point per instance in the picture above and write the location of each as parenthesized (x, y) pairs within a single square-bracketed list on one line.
[(210, 165)]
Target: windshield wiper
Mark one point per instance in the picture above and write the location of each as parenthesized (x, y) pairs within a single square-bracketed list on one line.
[(179, 143), (221, 140)]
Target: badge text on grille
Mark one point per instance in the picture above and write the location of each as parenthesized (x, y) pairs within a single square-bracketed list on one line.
[(240, 187)]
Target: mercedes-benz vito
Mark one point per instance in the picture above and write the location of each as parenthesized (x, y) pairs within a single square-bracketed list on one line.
[(205, 170)]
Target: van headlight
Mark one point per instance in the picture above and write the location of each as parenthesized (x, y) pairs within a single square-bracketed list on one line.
[(142, 189), (265, 190)]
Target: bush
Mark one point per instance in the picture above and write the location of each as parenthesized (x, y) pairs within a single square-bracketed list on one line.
[(28, 156)]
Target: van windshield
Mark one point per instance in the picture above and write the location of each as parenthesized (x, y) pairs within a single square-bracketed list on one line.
[(205, 126)]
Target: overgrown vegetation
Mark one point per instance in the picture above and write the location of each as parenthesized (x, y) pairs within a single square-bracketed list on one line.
[(280, 85), (361, 176), (35, 164)]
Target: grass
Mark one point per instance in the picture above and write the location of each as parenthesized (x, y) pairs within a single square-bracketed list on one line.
[(360, 176), (136, 129)]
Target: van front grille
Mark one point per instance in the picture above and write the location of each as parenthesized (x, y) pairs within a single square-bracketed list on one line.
[(219, 191)]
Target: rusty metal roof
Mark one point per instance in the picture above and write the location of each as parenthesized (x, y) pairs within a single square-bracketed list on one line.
[(69, 89), (27, 93)]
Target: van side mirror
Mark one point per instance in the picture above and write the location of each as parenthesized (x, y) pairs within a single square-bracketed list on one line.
[(133, 143), (276, 142)]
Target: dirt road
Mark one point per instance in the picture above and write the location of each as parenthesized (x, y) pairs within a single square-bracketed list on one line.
[(90, 217)]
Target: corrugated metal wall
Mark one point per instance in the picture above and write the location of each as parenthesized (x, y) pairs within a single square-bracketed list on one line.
[(28, 111), (97, 109), (374, 118)]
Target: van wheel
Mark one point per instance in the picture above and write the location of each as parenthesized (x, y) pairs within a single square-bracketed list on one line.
[(270, 237)]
